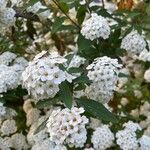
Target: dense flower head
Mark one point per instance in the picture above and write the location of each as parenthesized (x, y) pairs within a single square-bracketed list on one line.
[(147, 75), (2, 109), (127, 139), (130, 125), (102, 138), (103, 72), (43, 75), (133, 43), (67, 126), (144, 142), (11, 68), (48, 145), (95, 27)]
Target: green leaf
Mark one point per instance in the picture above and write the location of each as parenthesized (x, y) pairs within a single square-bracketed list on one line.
[(47, 102), (97, 110), (64, 7), (82, 79), (148, 10), (31, 3), (75, 70), (81, 14), (41, 127), (57, 24), (65, 93)]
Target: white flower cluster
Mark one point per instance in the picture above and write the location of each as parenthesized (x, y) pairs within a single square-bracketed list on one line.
[(37, 7), (127, 138), (7, 15), (68, 127), (48, 145), (103, 73), (147, 75), (43, 75), (144, 55), (2, 109), (102, 138), (95, 27), (76, 61), (133, 43), (144, 142), (11, 68)]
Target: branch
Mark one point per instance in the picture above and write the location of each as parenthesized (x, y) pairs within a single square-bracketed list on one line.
[(66, 14), (103, 4)]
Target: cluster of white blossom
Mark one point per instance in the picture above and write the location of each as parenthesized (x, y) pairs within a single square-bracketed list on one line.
[(76, 61), (11, 68), (102, 138), (144, 142), (2, 109), (9, 137), (43, 75), (103, 73), (133, 43), (7, 15), (36, 9), (127, 138), (147, 75), (67, 126), (95, 27), (144, 55)]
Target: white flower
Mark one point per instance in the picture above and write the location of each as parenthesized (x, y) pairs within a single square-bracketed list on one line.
[(5, 143), (147, 76), (103, 73), (48, 145), (8, 127), (19, 141), (127, 140), (95, 27), (144, 55), (7, 57), (130, 125), (102, 138), (2, 109), (7, 17), (68, 127), (133, 43), (43, 75), (76, 61), (144, 142)]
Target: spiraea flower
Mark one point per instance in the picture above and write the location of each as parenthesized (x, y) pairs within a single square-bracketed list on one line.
[(130, 125), (144, 142), (48, 145), (43, 75), (2, 109), (68, 127), (147, 76), (102, 138), (133, 43), (127, 139), (103, 73), (95, 27)]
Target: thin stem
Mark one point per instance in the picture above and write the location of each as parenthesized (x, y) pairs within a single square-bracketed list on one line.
[(87, 5), (103, 4), (66, 14)]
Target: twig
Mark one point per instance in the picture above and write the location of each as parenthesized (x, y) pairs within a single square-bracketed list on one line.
[(103, 4), (66, 14)]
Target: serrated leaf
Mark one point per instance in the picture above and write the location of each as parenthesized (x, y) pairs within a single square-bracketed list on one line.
[(97, 110), (57, 24), (65, 94), (82, 79), (41, 127), (81, 14), (75, 70), (31, 3), (47, 103)]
